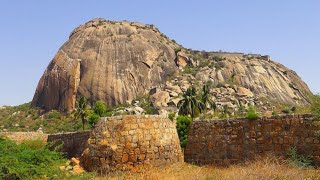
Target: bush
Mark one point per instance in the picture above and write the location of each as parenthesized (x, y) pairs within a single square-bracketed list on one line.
[(93, 119), (183, 123), (298, 160), (274, 113), (252, 113), (286, 110), (147, 106), (100, 108), (189, 70), (171, 116), (32, 160), (29, 160), (315, 105), (54, 115), (178, 49)]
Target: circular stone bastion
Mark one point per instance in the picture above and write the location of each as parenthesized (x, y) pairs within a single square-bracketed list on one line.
[(130, 143)]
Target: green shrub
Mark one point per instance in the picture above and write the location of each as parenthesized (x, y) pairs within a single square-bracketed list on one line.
[(217, 58), (298, 160), (32, 160), (286, 110), (189, 70), (54, 115), (100, 108), (93, 119), (178, 49), (274, 113), (252, 113), (147, 106), (171, 116), (29, 160), (183, 123), (315, 105)]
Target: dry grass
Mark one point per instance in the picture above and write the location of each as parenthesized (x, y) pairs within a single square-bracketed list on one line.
[(263, 169)]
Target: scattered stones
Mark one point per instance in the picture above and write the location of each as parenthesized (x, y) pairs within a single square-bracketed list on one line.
[(132, 110), (73, 166)]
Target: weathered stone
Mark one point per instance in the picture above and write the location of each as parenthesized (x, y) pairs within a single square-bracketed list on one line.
[(125, 158), (106, 60), (244, 92), (160, 99), (141, 143), (263, 136), (182, 60)]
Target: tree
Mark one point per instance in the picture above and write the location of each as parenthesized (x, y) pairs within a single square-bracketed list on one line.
[(81, 111), (206, 98), (190, 105), (100, 108)]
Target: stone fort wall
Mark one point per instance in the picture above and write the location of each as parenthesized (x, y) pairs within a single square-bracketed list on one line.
[(132, 142), (224, 142), (25, 136), (72, 144)]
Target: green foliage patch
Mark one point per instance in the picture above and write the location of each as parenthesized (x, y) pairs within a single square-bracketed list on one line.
[(29, 160), (252, 113), (299, 160), (183, 123), (315, 105), (32, 160)]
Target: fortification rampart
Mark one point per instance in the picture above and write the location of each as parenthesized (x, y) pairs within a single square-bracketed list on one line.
[(224, 142)]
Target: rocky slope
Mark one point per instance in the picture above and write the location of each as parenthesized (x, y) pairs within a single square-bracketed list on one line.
[(119, 61)]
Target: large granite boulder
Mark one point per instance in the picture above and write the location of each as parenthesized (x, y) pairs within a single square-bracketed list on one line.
[(116, 62), (106, 60)]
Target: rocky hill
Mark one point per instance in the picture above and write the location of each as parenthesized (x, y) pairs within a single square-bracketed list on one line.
[(119, 61)]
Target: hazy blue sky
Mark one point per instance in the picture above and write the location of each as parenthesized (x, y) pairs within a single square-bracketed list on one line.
[(32, 31)]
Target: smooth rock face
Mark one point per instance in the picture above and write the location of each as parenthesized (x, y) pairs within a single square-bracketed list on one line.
[(106, 60), (117, 61)]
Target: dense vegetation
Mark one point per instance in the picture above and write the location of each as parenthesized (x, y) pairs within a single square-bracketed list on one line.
[(183, 123), (31, 160)]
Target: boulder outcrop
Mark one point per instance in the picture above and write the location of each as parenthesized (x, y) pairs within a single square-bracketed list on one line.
[(106, 60), (116, 62)]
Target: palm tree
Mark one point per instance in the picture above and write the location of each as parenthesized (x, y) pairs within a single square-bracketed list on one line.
[(81, 111), (206, 98), (190, 105)]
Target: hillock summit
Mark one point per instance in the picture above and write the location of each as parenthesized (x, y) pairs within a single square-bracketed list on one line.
[(116, 62)]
